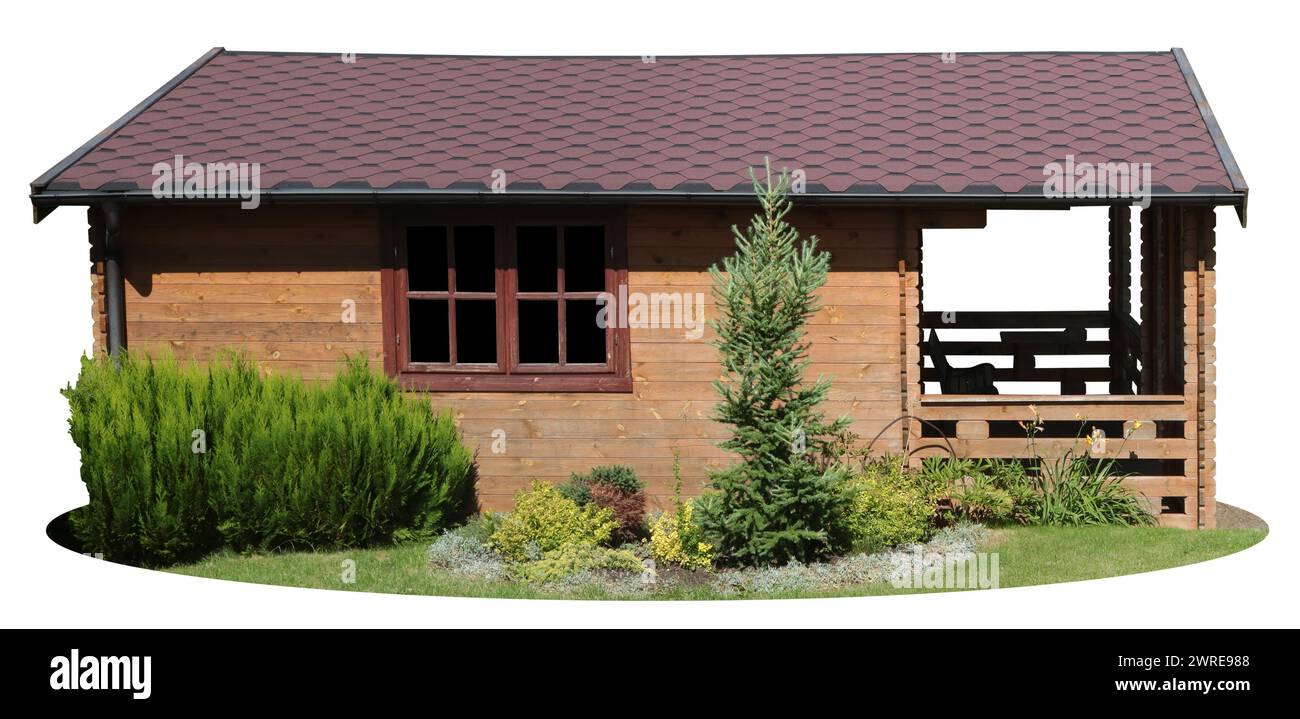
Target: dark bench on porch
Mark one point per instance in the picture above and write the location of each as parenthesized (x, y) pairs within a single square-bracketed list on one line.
[(959, 380)]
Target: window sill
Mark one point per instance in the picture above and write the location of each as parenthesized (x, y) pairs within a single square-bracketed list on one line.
[(436, 382)]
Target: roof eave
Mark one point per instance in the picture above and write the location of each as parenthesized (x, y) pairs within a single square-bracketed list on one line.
[(1216, 133), (40, 183), (44, 202)]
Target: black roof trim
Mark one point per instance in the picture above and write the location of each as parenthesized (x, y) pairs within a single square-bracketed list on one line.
[(1022, 200), (1216, 133)]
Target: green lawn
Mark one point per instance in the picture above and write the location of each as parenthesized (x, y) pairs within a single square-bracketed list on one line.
[(1026, 556), (1047, 555)]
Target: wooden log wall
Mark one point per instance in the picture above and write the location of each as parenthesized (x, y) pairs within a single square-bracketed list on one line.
[(274, 282)]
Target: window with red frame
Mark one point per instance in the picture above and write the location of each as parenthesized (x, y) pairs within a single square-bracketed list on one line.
[(509, 303)]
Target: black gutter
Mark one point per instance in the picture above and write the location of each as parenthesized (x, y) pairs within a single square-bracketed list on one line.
[(407, 195), (40, 183), (1216, 133), (114, 288)]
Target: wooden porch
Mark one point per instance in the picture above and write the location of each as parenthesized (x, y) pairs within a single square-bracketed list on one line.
[(1153, 397)]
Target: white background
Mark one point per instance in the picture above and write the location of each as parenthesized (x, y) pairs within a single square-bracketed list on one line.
[(72, 68)]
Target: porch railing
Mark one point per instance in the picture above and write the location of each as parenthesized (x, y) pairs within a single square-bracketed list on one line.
[(1144, 433), (1027, 336)]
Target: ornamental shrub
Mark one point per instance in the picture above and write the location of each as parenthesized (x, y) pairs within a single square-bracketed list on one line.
[(979, 500), (1076, 489), (888, 508), (618, 476), (988, 491), (180, 460), (675, 537), (576, 490), (628, 509), (1011, 477), (545, 520), (617, 487), (570, 559)]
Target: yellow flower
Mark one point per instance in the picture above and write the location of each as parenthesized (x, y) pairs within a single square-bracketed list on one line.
[(1137, 424)]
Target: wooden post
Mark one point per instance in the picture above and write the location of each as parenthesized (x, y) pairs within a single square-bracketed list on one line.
[(1160, 287), (1162, 300), (909, 318), (1120, 303), (1149, 315), (1198, 317)]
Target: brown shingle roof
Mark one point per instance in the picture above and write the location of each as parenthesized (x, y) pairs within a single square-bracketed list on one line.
[(985, 124)]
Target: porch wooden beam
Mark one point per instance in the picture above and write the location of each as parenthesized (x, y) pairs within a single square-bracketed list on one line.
[(1120, 305)]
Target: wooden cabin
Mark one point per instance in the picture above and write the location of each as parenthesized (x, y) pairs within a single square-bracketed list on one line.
[(462, 220)]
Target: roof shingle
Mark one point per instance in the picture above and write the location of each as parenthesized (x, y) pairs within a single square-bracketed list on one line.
[(907, 123)]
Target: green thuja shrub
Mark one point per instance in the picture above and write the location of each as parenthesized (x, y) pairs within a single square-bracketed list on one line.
[(148, 489), (776, 505), (179, 460)]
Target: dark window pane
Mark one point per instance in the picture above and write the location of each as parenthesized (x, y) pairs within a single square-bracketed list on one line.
[(476, 332), (426, 258), (539, 332), (584, 340), (536, 257), (584, 259), (429, 336), (475, 259)]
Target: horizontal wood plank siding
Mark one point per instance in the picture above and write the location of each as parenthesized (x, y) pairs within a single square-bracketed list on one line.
[(854, 336), (271, 281)]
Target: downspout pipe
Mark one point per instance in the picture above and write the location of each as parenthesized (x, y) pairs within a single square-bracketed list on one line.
[(114, 287)]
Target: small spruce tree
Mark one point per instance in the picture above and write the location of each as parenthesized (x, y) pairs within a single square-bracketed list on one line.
[(774, 506)]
